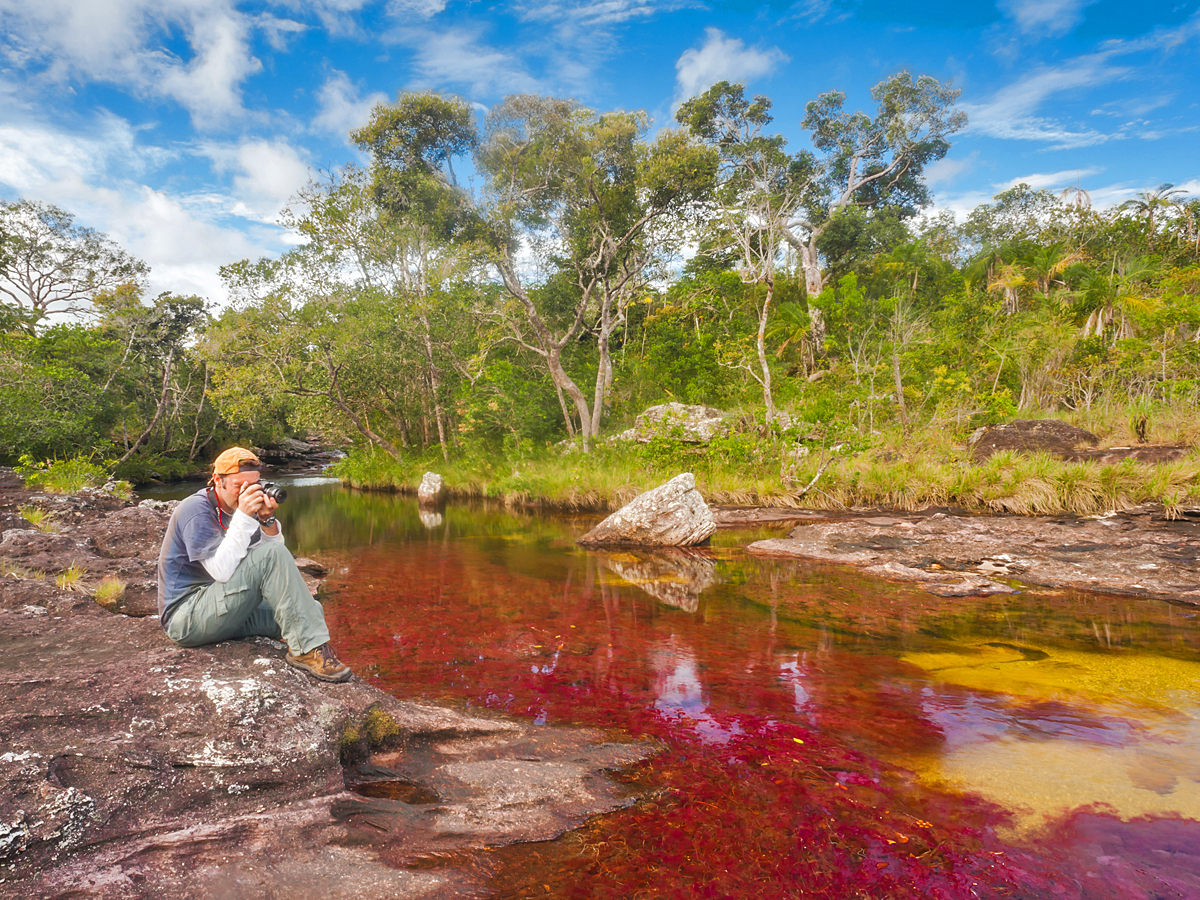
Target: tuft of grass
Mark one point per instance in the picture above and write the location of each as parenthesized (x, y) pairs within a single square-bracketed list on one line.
[(122, 489), (109, 591), (39, 519), (10, 569), (349, 741), (71, 579)]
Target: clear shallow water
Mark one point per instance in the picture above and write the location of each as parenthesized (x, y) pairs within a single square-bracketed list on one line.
[(825, 734)]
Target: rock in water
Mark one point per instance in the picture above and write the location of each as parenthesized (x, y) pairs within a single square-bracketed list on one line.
[(432, 489), (672, 515)]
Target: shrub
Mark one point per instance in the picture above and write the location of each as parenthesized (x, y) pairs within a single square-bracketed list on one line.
[(62, 476), (153, 467)]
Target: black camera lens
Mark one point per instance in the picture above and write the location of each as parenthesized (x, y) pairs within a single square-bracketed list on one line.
[(274, 491)]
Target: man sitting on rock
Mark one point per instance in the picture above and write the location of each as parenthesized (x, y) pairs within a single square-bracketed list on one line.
[(224, 572)]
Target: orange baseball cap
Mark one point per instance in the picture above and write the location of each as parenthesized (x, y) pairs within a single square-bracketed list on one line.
[(230, 461)]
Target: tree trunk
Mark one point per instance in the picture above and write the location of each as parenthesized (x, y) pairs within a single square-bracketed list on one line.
[(435, 388), (604, 369), (761, 345), (814, 283), (899, 386), (193, 449), (551, 350), (335, 394), (563, 382), (162, 404)]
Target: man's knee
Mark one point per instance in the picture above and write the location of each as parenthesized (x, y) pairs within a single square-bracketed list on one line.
[(274, 552)]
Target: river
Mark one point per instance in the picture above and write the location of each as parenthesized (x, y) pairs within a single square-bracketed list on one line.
[(824, 734)]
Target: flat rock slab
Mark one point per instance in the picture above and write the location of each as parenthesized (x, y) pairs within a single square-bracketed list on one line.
[(1029, 435), (744, 517), (959, 555)]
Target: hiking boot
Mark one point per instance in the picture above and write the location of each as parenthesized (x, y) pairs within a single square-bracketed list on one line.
[(320, 663)]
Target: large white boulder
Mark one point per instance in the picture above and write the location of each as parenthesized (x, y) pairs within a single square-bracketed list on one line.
[(694, 424), (672, 515)]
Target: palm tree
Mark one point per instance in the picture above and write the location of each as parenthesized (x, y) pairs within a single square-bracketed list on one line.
[(1076, 196), (1046, 263), (1121, 292), (1009, 279), (791, 323), (1149, 204)]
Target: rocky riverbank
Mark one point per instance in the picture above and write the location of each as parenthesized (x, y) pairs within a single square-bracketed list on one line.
[(1138, 551), (135, 768)]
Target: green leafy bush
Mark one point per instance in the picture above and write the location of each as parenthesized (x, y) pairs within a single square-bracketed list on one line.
[(62, 476)]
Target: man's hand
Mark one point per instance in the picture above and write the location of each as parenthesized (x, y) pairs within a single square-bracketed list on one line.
[(251, 499)]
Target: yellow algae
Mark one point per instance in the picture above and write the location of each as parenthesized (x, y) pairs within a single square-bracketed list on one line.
[(1053, 673), (1152, 772), (1036, 779)]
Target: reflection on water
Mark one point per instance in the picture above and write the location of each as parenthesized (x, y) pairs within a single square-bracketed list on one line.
[(825, 734), (676, 577), (430, 518)]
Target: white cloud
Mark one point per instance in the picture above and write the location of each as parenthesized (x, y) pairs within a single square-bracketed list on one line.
[(959, 204), (948, 168), (98, 175), (1039, 180), (576, 37), (1011, 111), (1046, 18), (266, 174), (336, 16), (722, 58), (278, 31), (426, 9), (342, 107), (458, 56), (124, 42), (603, 12), (813, 11)]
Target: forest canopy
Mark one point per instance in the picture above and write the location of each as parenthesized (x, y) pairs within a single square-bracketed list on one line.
[(542, 273)]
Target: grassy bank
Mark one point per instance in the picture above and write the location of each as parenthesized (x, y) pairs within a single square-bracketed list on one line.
[(895, 471)]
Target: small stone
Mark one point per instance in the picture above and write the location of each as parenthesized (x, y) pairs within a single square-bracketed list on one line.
[(432, 489)]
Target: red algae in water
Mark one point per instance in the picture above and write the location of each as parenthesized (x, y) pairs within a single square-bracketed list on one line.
[(772, 782)]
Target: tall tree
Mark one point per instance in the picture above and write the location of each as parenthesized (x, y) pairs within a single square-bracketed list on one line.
[(568, 193), (857, 160), (760, 187), (49, 265), (400, 252)]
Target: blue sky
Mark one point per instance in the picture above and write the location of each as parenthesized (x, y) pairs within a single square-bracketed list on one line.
[(181, 127)]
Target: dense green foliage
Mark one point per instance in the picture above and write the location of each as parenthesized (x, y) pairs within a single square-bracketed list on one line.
[(485, 324)]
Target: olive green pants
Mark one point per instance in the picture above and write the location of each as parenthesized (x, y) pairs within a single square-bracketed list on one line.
[(266, 596)]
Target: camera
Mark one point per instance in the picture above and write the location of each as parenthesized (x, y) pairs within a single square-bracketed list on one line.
[(274, 491)]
